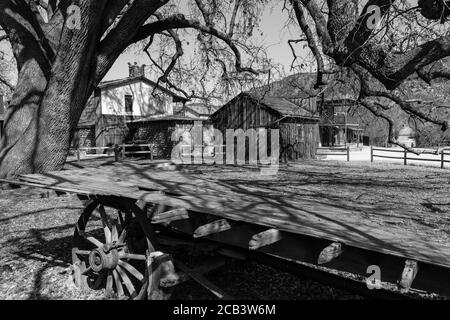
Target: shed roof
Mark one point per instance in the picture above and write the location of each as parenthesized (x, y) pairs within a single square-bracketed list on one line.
[(281, 105)]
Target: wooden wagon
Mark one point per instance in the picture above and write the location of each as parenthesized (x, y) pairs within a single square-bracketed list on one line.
[(140, 208)]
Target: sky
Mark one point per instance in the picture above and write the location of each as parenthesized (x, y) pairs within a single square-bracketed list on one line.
[(275, 38)]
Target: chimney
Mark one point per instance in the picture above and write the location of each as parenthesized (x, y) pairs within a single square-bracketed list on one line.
[(135, 70)]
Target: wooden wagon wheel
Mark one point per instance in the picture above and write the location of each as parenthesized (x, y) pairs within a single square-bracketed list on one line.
[(113, 251)]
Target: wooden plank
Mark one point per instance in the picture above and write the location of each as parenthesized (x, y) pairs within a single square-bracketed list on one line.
[(408, 275), (171, 215), (329, 253), (212, 227), (264, 238), (59, 188)]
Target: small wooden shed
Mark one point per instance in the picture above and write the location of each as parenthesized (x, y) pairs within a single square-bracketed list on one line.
[(298, 122)]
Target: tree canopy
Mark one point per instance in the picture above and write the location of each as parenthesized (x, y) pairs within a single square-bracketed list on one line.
[(382, 43)]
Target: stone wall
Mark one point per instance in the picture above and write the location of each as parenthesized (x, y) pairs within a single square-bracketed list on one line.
[(158, 133)]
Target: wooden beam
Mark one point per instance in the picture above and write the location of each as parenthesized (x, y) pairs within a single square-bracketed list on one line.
[(203, 281), (408, 275), (171, 215), (212, 227), (331, 252), (202, 269), (264, 238)]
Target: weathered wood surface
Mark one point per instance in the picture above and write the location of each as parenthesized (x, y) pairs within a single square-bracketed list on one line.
[(308, 217)]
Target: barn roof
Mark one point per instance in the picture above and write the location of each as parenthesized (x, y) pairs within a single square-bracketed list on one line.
[(281, 105)]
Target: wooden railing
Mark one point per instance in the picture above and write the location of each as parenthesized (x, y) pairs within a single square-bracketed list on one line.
[(117, 153), (405, 157), (339, 151)]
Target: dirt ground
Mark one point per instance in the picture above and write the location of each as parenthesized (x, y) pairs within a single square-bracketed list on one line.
[(36, 232)]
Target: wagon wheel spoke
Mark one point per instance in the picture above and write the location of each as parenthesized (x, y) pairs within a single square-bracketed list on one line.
[(132, 256), (131, 270), (83, 252), (91, 239), (106, 228), (127, 282), (109, 284), (120, 215), (122, 236), (114, 232), (143, 292), (118, 282)]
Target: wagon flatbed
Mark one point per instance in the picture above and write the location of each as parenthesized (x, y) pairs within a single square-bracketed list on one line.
[(293, 227)]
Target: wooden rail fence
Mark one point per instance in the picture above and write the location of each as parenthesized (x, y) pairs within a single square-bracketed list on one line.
[(117, 153), (344, 151), (405, 157)]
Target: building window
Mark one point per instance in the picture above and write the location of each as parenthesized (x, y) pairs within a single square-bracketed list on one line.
[(128, 103)]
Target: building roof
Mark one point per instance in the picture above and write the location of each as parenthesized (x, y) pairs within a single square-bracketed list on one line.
[(197, 110), (166, 118), (124, 81), (281, 105)]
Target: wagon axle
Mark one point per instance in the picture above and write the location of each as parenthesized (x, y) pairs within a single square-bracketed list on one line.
[(100, 260)]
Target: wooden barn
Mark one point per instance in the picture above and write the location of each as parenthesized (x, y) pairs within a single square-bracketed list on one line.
[(298, 122)]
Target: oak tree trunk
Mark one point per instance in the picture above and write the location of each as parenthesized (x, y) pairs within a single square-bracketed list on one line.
[(53, 87)]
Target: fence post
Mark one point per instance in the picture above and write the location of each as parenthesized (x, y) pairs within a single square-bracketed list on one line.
[(371, 153), (348, 154), (442, 159), (150, 146), (78, 154), (404, 156)]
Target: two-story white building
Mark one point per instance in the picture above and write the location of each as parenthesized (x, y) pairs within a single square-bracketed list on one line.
[(118, 102)]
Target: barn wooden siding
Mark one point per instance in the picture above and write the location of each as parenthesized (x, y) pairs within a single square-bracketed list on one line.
[(299, 140), (299, 137), (242, 112)]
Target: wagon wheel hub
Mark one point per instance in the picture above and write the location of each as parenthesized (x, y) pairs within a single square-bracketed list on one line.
[(100, 260), (118, 256)]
